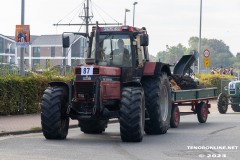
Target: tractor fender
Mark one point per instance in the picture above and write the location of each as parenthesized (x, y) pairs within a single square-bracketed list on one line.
[(156, 68), (68, 87), (56, 83)]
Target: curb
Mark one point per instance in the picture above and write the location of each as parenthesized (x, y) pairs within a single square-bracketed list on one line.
[(40, 130)]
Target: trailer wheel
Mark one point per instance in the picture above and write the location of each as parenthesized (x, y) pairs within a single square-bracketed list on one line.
[(93, 126), (175, 117), (202, 112), (158, 104), (222, 103), (235, 107), (54, 120), (132, 114)]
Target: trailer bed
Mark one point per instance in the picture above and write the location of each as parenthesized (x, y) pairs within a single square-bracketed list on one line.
[(194, 94), (198, 99)]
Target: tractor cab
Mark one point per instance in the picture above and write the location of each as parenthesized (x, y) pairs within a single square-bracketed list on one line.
[(118, 46)]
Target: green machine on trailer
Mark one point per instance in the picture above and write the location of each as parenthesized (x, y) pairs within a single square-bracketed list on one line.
[(197, 99), (229, 95)]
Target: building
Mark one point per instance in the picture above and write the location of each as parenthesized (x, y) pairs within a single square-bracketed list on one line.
[(8, 50), (43, 50)]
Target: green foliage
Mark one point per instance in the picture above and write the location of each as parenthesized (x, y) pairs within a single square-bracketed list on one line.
[(212, 80), (220, 53), (30, 88), (172, 54)]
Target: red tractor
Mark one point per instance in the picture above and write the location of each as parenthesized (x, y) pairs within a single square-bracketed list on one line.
[(116, 81)]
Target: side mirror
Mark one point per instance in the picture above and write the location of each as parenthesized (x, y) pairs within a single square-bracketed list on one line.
[(66, 41), (144, 40)]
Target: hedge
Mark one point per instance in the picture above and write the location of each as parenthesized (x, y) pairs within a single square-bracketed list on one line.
[(213, 80), (30, 88)]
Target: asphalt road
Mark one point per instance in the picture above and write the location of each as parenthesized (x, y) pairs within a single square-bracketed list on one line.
[(188, 142)]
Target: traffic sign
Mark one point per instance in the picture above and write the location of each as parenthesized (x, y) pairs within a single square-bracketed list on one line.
[(206, 61), (206, 53)]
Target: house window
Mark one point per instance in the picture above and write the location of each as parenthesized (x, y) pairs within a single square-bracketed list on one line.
[(83, 45), (36, 53), (52, 51)]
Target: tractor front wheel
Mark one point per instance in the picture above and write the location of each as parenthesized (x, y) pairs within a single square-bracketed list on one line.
[(235, 107), (222, 103), (54, 119), (132, 114)]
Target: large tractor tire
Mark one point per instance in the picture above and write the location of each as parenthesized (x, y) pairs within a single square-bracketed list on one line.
[(202, 112), (132, 114), (93, 126), (158, 104), (222, 103), (175, 117), (54, 120), (235, 107)]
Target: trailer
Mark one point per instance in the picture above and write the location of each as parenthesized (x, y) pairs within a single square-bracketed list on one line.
[(197, 99)]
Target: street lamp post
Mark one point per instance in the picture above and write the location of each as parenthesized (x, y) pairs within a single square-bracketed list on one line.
[(125, 17), (200, 39), (134, 11), (22, 49), (21, 107)]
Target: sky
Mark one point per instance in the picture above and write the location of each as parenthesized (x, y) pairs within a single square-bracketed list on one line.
[(168, 22)]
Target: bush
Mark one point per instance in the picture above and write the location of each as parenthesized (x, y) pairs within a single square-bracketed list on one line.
[(30, 88), (213, 80)]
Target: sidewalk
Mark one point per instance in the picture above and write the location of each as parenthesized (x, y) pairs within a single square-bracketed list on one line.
[(27, 123), (21, 124)]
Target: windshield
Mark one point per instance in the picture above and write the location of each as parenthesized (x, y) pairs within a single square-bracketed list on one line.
[(114, 50)]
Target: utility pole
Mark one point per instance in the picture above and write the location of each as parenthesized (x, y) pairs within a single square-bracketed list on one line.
[(200, 39), (86, 17), (21, 107), (22, 48)]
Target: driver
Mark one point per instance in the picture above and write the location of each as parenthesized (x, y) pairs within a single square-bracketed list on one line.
[(120, 55)]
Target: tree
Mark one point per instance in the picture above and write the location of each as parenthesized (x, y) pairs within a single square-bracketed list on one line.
[(220, 53), (172, 54)]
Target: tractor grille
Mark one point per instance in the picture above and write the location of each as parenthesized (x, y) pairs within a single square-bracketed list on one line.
[(232, 92), (95, 71), (85, 89)]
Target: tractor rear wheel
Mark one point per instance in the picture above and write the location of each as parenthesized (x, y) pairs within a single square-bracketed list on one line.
[(235, 107), (132, 114), (158, 104), (222, 103), (175, 117), (54, 120), (93, 126), (202, 112)]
